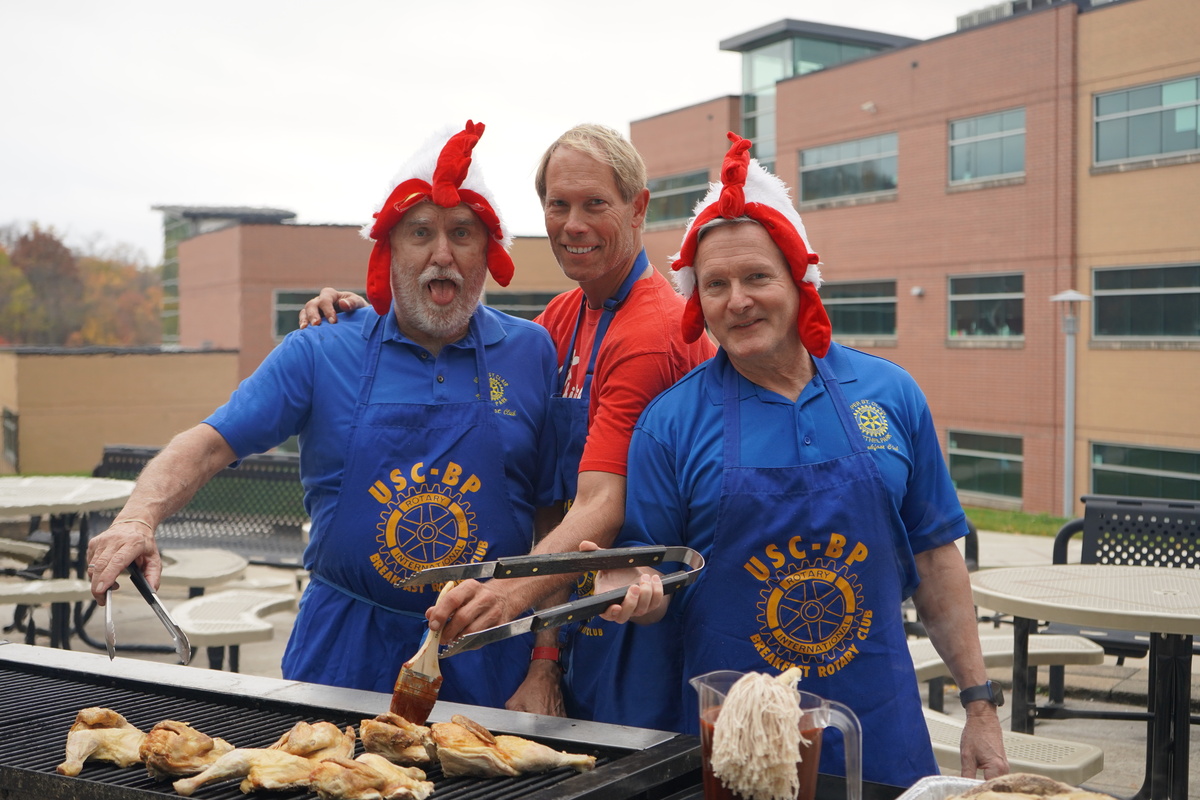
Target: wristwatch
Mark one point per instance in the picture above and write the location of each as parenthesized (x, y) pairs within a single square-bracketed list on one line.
[(989, 690)]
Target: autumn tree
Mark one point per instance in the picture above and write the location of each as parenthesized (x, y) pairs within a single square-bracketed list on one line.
[(53, 274), (51, 295)]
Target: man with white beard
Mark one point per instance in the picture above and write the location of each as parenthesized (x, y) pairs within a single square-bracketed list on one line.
[(425, 440)]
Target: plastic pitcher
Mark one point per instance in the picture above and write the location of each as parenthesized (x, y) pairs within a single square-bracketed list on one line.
[(817, 713)]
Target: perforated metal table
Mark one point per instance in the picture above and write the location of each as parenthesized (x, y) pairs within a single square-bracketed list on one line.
[(1165, 602)]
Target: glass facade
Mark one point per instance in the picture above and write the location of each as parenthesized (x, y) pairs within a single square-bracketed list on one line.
[(987, 306), (763, 67), (1147, 302), (988, 146), (672, 198), (859, 167), (986, 463), (1149, 121), (1145, 472), (865, 308)]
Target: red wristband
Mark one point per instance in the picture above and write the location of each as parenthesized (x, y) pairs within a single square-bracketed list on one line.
[(548, 653)]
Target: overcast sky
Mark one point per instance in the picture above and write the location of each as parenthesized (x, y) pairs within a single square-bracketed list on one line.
[(112, 107)]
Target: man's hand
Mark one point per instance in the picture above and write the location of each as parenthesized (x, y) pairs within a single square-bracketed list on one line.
[(472, 606), (644, 601), (326, 305), (982, 743), (541, 691), (112, 551)]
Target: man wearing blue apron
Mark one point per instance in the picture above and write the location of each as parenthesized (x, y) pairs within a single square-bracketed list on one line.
[(810, 477), (424, 432)]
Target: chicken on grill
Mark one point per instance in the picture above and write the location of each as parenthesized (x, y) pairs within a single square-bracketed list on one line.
[(261, 768), (369, 777), (464, 747), (175, 749), (317, 741), (395, 738), (100, 734)]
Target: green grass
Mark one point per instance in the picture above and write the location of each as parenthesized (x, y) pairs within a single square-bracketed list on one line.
[(990, 519)]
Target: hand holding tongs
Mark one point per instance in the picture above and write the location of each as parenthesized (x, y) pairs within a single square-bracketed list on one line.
[(557, 564), (183, 648)]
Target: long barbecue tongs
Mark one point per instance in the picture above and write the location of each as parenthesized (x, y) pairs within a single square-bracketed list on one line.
[(557, 564)]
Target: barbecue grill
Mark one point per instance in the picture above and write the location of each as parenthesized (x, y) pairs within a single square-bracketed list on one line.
[(43, 689)]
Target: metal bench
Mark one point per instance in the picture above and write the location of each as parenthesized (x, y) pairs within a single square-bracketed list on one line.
[(1070, 762), (1047, 650), (1119, 530), (229, 619), (28, 593)]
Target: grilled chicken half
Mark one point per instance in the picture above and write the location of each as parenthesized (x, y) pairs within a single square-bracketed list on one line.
[(175, 749), (368, 777), (100, 734), (395, 738), (464, 747), (317, 741), (261, 768)]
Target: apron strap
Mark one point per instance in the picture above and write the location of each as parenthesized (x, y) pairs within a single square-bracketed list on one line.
[(732, 410), (610, 308)]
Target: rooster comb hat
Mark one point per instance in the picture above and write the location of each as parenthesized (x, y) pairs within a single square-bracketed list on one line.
[(748, 190), (441, 172)]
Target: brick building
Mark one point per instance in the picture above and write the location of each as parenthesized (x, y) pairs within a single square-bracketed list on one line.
[(953, 186)]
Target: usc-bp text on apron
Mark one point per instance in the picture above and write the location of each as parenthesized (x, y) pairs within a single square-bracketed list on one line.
[(424, 485), (803, 572)]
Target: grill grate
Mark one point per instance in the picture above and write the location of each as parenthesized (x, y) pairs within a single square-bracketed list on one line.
[(38, 710)]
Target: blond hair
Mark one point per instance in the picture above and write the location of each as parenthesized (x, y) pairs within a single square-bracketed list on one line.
[(606, 146)]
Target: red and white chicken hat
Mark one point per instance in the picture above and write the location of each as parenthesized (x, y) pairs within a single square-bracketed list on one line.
[(442, 172), (746, 189)]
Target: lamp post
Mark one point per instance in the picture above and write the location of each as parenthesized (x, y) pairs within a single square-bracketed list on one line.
[(1070, 300)]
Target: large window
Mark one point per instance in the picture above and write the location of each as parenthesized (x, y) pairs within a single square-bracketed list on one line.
[(861, 167), (525, 305), (1145, 472), (987, 306), (985, 463), (1147, 302), (988, 147), (1148, 121), (287, 308), (673, 198), (10, 437), (861, 309)]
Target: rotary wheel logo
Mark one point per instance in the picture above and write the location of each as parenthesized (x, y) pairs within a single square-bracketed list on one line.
[(810, 614), (497, 386), (872, 420), (426, 526)]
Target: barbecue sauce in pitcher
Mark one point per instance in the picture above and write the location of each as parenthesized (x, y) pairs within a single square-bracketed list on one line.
[(806, 769)]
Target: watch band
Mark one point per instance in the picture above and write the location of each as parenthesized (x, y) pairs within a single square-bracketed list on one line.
[(988, 690)]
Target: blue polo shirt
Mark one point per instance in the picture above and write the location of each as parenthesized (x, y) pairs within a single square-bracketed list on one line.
[(308, 386), (675, 456)]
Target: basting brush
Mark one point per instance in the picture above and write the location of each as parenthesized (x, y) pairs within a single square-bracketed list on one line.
[(420, 678)]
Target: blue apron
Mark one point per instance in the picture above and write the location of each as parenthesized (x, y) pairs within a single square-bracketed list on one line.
[(423, 485), (803, 571), (595, 685)]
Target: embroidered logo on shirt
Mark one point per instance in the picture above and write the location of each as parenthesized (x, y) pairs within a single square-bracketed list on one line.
[(872, 421), (496, 387), (425, 522)]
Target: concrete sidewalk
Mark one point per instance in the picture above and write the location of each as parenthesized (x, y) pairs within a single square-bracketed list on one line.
[(1104, 686)]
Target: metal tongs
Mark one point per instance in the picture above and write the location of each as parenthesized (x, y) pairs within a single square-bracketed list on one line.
[(183, 648), (557, 564)]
